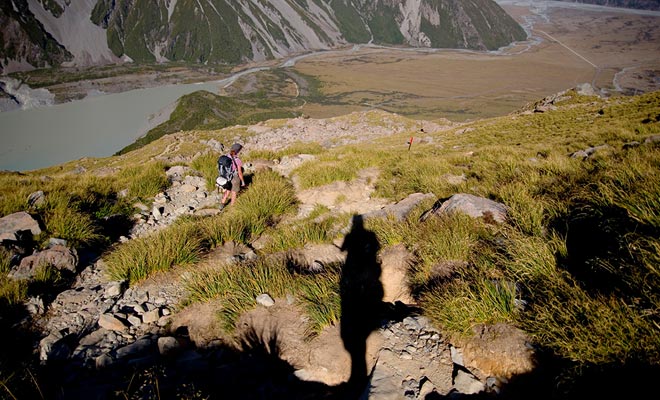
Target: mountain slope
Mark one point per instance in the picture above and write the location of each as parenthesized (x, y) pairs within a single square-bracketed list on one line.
[(236, 31), (25, 41)]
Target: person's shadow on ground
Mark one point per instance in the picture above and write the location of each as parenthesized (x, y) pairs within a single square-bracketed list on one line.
[(361, 299)]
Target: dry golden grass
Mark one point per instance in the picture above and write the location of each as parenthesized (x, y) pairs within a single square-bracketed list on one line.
[(463, 86)]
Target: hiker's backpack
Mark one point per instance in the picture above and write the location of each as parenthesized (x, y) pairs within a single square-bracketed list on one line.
[(225, 171)]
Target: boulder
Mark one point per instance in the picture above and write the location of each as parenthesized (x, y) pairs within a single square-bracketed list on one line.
[(36, 199), (474, 206), (11, 224), (401, 209), (499, 350), (58, 256)]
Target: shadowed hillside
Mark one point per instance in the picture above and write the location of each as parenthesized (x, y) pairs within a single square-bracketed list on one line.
[(369, 255)]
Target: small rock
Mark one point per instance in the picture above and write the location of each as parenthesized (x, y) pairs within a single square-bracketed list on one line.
[(265, 300), (151, 316), (109, 322), (168, 345), (104, 361)]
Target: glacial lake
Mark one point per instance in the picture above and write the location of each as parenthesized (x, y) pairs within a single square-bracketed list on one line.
[(97, 126)]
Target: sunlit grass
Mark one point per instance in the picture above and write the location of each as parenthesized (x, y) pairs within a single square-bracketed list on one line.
[(144, 181), (137, 259), (296, 235), (585, 302), (238, 286), (207, 164)]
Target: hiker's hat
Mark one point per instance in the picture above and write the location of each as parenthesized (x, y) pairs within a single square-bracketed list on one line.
[(236, 147)]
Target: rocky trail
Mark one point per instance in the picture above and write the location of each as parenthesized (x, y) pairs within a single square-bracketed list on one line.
[(95, 333)]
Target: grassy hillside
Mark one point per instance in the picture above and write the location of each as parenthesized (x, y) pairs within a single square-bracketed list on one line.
[(273, 96), (575, 265)]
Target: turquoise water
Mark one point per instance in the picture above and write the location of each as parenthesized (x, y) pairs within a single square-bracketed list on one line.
[(94, 127)]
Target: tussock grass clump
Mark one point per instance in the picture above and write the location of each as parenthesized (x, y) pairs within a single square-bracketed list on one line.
[(14, 192), (292, 236), (418, 171), (207, 164), (144, 181), (237, 286), (12, 293), (321, 298), (5, 260), (464, 303), (137, 259), (451, 238), (268, 197), (331, 167), (64, 220), (388, 230)]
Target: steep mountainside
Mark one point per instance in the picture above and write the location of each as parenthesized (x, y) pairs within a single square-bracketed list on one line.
[(640, 4), (235, 31), (24, 40)]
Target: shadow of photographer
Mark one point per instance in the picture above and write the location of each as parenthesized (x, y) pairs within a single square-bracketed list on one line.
[(361, 298)]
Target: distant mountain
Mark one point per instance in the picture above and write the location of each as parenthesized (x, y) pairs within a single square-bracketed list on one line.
[(37, 33), (638, 4), (25, 41)]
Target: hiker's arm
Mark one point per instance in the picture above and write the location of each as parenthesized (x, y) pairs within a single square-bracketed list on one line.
[(240, 175)]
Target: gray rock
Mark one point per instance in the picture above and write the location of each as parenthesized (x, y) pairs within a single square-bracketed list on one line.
[(113, 289), (466, 383), (401, 209), (93, 338), (652, 139), (54, 347), (57, 256), (151, 316), (456, 356), (138, 347), (586, 153), (104, 361), (35, 306), (474, 206), (36, 199), (265, 300), (168, 345), (108, 321), (11, 224), (134, 320), (52, 242)]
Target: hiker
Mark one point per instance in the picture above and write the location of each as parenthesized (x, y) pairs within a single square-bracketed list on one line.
[(237, 180)]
